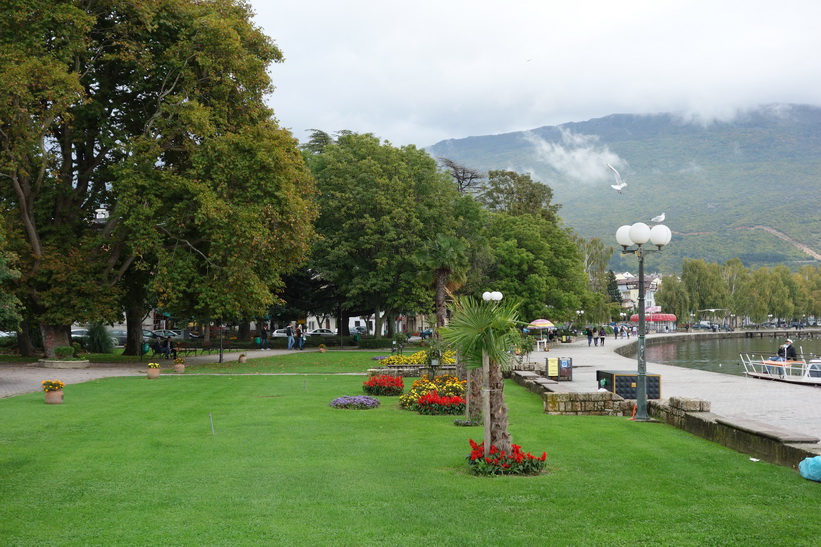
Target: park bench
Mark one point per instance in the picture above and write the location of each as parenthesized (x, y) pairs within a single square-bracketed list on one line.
[(186, 349)]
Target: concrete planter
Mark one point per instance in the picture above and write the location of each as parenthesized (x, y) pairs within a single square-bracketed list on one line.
[(57, 363)]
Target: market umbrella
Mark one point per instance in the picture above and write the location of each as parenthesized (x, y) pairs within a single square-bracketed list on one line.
[(540, 324)]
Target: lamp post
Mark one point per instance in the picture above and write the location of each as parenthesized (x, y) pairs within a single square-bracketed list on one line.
[(636, 236), (489, 297)]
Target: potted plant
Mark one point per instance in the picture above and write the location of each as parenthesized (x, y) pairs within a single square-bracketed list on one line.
[(322, 348), (179, 365), (153, 371), (54, 391)]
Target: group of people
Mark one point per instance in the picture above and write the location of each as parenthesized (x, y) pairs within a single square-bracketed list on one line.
[(296, 337), (165, 347), (594, 336)]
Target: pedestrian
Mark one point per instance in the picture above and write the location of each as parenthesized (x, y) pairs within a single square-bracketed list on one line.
[(263, 338), (635, 331), (289, 332), (589, 332), (300, 337), (595, 332), (615, 332), (602, 335)]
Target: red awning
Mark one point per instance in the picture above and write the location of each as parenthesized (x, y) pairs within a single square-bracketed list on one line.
[(656, 317)]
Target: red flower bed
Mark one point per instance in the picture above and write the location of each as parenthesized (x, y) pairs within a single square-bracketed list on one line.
[(433, 403), (500, 463), (384, 385)]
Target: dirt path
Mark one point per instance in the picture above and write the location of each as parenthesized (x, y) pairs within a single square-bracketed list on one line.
[(785, 237)]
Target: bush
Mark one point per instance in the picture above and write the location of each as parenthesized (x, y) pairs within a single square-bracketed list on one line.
[(499, 463), (64, 353), (98, 339), (374, 343), (359, 402), (384, 385)]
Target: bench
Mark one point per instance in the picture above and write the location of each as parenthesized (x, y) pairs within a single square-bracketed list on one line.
[(186, 349)]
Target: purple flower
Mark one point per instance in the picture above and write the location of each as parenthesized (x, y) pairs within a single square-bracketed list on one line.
[(358, 402), (379, 357)]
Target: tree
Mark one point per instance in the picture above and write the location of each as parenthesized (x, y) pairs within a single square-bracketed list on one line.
[(613, 291), (518, 194), (445, 259), (595, 257), (9, 304), (153, 111), (485, 333), (467, 180), (674, 298), (705, 285), (378, 205)]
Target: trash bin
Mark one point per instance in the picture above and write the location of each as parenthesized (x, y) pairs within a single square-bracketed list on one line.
[(559, 368), (145, 348), (624, 383), (355, 339)]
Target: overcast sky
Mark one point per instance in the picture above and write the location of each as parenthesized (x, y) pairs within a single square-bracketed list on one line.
[(420, 72)]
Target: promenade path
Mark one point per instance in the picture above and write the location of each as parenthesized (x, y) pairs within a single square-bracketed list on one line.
[(791, 407)]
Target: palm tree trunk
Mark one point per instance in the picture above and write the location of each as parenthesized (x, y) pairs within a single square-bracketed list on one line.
[(474, 401), (499, 433)]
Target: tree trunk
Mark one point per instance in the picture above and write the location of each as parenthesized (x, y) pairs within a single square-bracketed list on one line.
[(474, 395), (499, 433), (244, 331), (206, 331), (55, 336), (134, 314), (24, 342)]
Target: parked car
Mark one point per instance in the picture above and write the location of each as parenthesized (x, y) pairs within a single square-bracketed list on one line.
[(165, 333), (279, 333), (427, 333), (120, 336), (7, 334), (320, 332), (359, 329), (115, 338)]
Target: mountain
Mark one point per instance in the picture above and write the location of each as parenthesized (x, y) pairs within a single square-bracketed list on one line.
[(747, 188)]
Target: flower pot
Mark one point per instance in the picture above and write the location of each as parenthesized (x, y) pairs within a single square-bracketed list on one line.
[(179, 368), (54, 397), (153, 373)]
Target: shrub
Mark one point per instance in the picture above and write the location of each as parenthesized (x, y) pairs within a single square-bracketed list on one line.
[(64, 352), (359, 402), (384, 385), (445, 385), (374, 343), (434, 404), (98, 340), (500, 463), (467, 423)]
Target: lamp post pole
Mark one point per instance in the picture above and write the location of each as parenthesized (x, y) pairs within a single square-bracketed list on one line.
[(639, 234)]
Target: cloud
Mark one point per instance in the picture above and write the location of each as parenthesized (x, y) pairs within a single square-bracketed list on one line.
[(575, 157)]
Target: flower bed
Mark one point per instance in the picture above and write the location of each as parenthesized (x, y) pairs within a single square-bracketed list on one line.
[(418, 358), (358, 402), (434, 404), (384, 385), (52, 385), (500, 463), (445, 385)]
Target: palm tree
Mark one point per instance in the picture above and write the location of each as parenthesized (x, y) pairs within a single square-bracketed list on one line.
[(484, 332), (445, 260)]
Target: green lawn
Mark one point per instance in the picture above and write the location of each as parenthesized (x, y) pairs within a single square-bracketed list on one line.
[(332, 361), (130, 461)]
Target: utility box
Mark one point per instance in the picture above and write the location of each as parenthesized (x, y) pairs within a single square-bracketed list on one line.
[(559, 368), (624, 383)]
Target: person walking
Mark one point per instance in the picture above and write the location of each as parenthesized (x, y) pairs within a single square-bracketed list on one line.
[(602, 335), (289, 332), (263, 338), (589, 332), (300, 337), (615, 332)]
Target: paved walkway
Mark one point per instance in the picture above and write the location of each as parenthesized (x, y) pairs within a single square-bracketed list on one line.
[(791, 407)]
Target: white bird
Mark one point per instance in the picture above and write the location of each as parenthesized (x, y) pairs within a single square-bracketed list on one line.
[(659, 218), (619, 182)]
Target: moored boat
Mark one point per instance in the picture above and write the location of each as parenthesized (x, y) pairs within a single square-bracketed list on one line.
[(793, 372)]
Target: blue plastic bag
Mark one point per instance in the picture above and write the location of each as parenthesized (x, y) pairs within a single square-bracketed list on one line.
[(810, 468)]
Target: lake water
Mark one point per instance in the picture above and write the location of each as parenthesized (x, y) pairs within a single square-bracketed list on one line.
[(721, 355)]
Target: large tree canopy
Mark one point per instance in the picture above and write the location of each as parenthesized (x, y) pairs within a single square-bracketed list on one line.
[(153, 110)]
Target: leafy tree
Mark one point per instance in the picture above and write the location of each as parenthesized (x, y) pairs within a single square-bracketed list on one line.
[(705, 285), (9, 304), (154, 111), (674, 298), (518, 194), (595, 257), (378, 204), (613, 291)]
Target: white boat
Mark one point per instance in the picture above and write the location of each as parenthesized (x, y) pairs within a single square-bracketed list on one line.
[(794, 372)]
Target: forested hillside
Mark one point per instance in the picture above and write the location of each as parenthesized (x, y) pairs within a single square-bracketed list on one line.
[(749, 188)]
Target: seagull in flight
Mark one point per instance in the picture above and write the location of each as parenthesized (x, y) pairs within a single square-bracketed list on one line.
[(659, 218), (619, 182)]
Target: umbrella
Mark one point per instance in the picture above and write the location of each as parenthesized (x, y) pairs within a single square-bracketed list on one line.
[(540, 324)]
